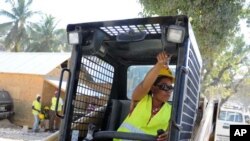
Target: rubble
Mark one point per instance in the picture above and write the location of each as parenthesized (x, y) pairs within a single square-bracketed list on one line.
[(9, 131)]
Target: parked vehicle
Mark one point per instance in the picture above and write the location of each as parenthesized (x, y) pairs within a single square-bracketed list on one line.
[(6, 105), (227, 117), (110, 58), (247, 118)]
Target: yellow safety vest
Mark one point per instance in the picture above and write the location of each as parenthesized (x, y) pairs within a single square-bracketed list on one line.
[(138, 120), (53, 104), (37, 106)]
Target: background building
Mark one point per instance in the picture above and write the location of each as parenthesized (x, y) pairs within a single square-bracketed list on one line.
[(24, 75)]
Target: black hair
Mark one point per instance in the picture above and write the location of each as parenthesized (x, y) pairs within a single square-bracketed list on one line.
[(159, 78)]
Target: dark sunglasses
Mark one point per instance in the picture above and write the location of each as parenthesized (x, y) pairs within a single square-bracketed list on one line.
[(165, 87)]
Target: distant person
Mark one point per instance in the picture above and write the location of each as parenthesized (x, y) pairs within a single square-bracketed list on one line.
[(44, 118), (54, 121), (91, 107), (36, 109), (149, 110)]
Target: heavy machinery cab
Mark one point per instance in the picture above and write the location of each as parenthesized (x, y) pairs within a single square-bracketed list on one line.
[(110, 58)]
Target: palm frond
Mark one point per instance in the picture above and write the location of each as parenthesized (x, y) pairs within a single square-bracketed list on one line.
[(5, 27), (29, 3), (7, 14), (11, 2)]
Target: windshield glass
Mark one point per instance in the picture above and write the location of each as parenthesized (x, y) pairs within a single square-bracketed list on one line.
[(231, 116), (136, 74)]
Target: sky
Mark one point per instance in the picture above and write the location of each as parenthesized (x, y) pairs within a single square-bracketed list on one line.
[(79, 11)]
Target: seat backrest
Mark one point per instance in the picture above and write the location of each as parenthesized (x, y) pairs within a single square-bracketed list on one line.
[(119, 111)]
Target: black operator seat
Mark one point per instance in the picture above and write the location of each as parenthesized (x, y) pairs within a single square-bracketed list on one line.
[(119, 111)]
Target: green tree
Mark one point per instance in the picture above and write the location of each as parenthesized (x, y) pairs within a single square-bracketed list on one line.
[(19, 14), (215, 24), (44, 37), (228, 71), (247, 15)]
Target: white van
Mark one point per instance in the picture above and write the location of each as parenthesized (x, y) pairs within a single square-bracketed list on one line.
[(226, 118)]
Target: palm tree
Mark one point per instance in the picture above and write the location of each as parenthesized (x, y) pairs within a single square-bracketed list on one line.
[(19, 14), (44, 37)]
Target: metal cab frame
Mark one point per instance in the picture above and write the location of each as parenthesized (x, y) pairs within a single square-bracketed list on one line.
[(99, 62)]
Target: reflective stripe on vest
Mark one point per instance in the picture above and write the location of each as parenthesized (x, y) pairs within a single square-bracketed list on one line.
[(131, 128), (140, 120)]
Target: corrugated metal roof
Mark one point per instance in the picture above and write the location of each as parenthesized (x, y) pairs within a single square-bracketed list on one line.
[(55, 83), (83, 88), (31, 63)]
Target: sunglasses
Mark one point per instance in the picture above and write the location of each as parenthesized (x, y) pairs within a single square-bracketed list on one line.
[(165, 87)]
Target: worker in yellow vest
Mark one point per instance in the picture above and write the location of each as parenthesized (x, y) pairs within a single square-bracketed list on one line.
[(149, 110), (36, 109), (53, 119)]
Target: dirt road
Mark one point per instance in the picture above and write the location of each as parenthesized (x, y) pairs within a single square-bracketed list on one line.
[(11, 132)]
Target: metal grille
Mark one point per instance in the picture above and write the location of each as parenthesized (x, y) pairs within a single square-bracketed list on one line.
[(191, 96), (93, 90), (148, 28)]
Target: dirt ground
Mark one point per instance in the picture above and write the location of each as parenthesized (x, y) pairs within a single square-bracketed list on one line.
[(11, 132)]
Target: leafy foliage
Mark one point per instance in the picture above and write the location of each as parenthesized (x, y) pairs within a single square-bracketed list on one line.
[(19, 16), (216, 26), (20, 34), (44, 37)]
